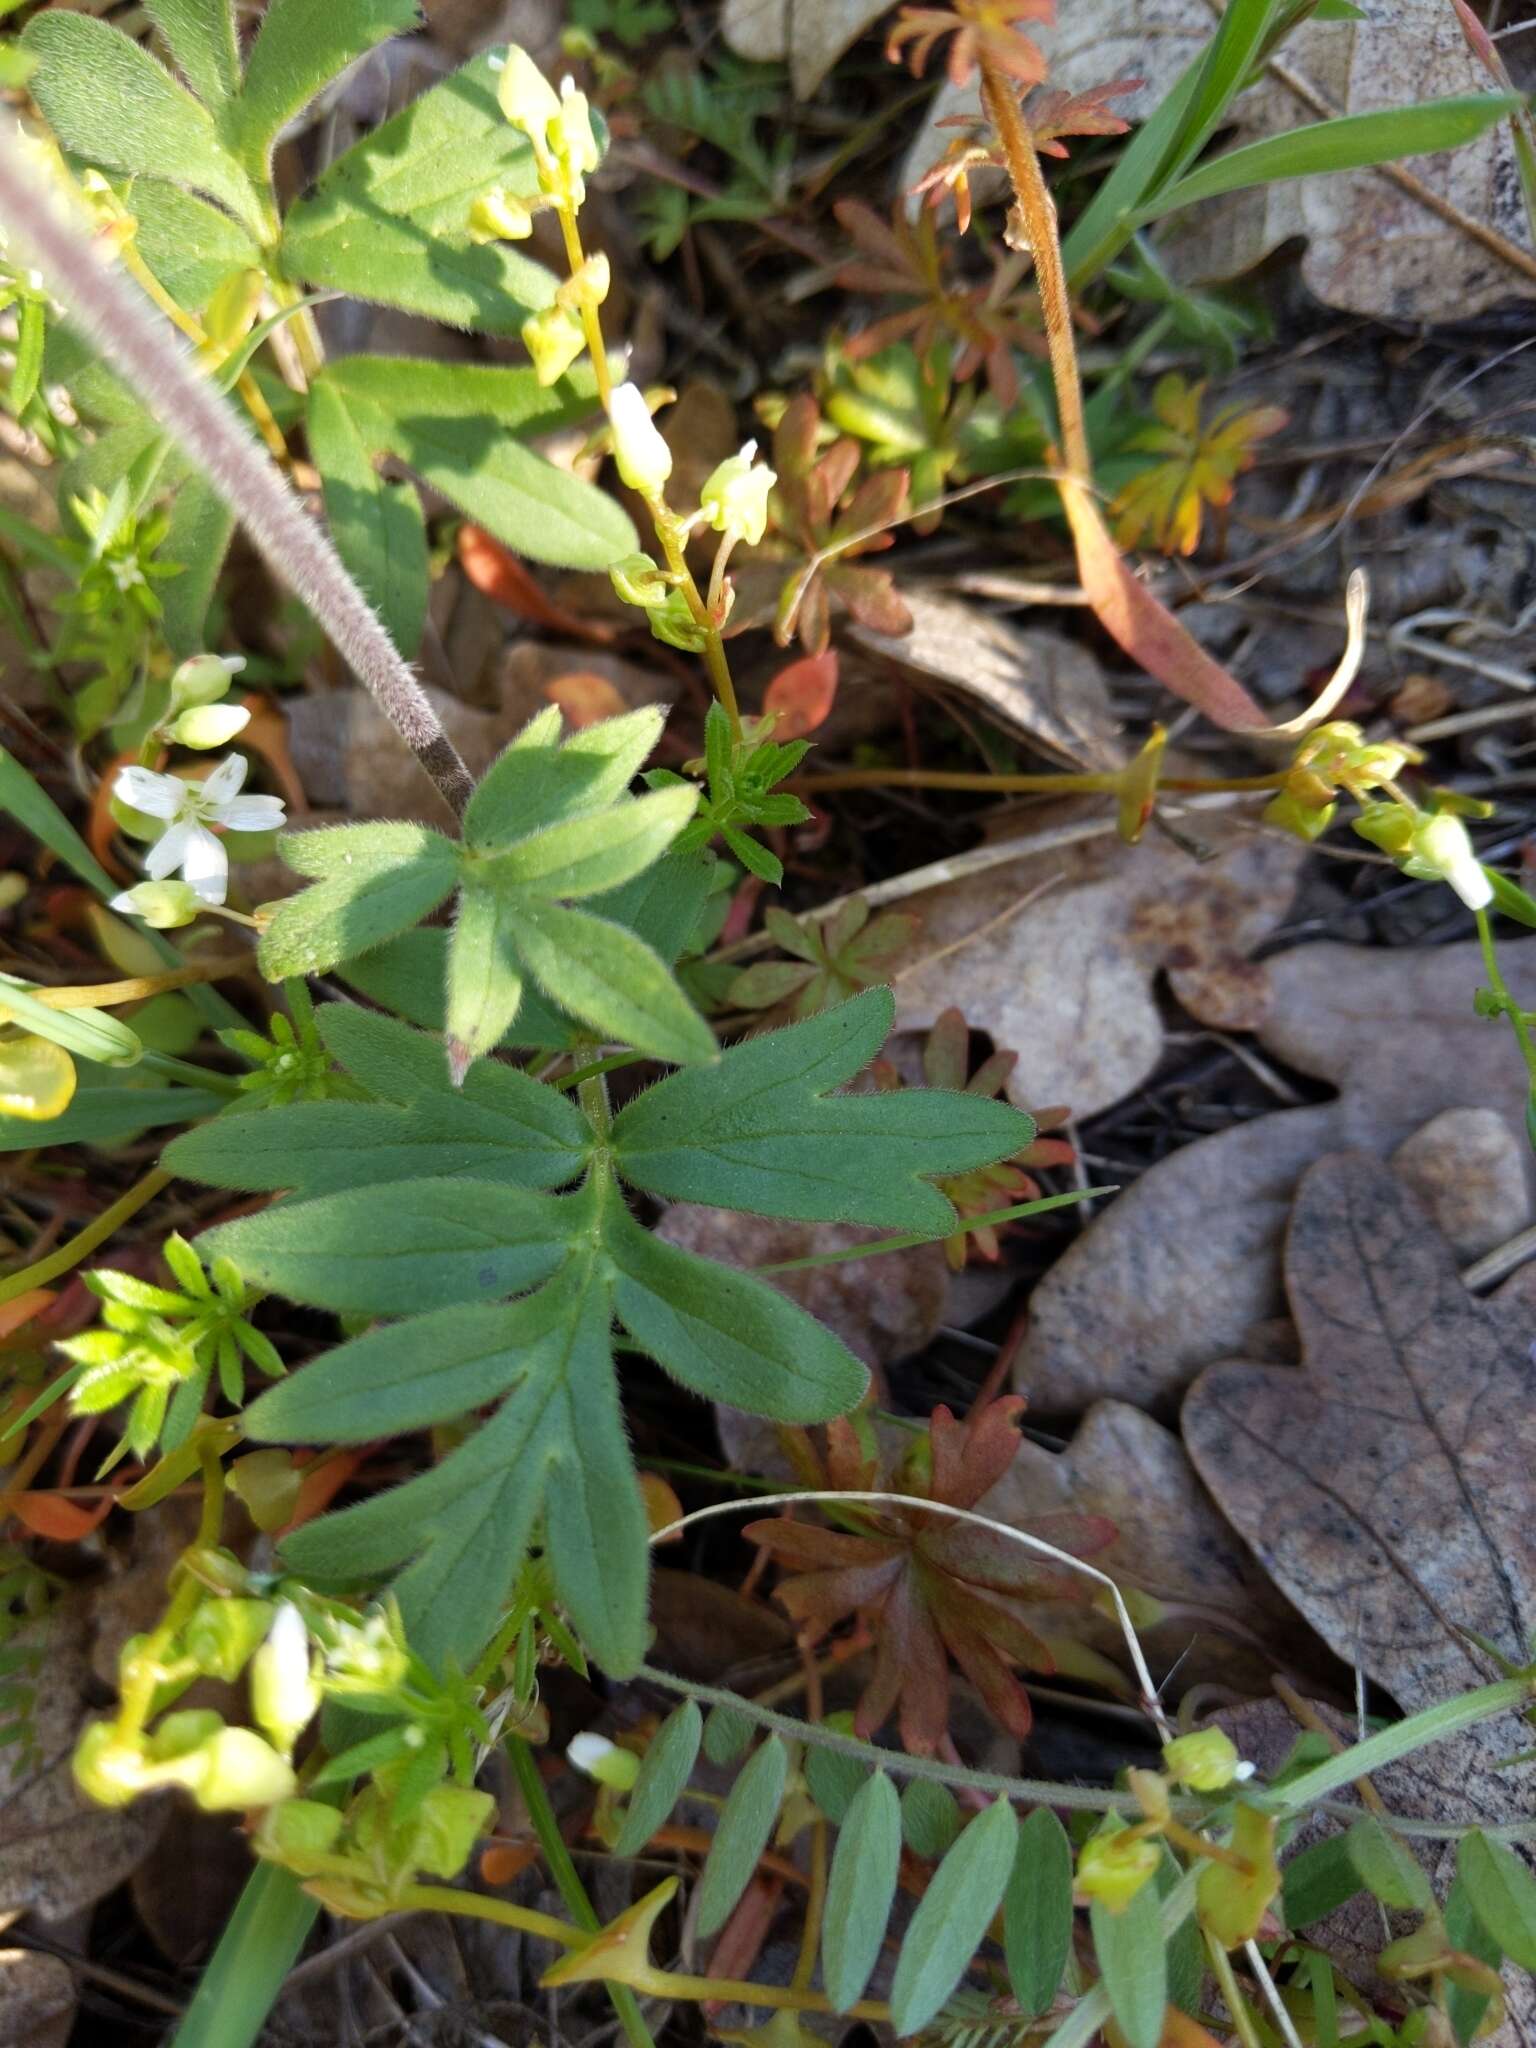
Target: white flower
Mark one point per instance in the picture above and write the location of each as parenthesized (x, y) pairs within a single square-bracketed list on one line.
[(735, 496), (189, 809), (643, 457), (1442, 849), (284, 1695)]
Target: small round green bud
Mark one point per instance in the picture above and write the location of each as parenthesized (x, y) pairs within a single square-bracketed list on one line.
[(107, 1770), (209, 725), (1113, 1868), (164, 906), (203, 679), (223, 1635), (553, 337), (1206, 1761), (448, 1823), (638, 580), (297, 1832), (239, 1770)]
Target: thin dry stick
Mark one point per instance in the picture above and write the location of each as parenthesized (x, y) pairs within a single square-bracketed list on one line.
[(148, 353)]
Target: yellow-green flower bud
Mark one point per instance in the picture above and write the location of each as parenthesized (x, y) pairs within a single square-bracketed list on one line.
[(1113, 1868), (298, 1833), (673, 623), (284, 1695), (500, 216), (180, 1734), (209, 725), (638, 580), (1291, 814), (526, 96), (1206, 1761), (223, 1635), (735, 496), (368, 1656), (644, 460), (1390, 826), (238, 1771), (162, 905), (554, 339), (107, 1770), (204, 679), (447, 1825), (604, 1761), (587, 286)]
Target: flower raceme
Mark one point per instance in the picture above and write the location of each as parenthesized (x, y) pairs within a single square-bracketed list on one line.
[(189, 811)]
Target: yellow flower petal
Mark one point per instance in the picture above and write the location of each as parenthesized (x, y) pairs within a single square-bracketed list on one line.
[(37, 1079)]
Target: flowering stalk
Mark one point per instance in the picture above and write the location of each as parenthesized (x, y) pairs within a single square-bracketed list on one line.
[(145, 353)]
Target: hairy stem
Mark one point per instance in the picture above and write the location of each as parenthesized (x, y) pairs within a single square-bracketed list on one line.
[(149, 356)]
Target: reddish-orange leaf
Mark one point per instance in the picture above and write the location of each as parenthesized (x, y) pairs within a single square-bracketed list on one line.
[(499, 575), (58, 1520), (15, 1315), (1145, 629), (801, 696)]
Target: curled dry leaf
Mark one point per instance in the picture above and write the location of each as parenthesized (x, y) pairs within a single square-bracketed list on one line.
[(1069, 980), (1036, 683), (1175, 1272)]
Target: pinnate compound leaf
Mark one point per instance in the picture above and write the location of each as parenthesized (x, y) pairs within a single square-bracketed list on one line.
[(1133, 1961), (860, 1889), (952, 1919), (200, 35), (107, 100), (457, 425), (725, 1335), (611, 980), (378, 527), (299, 48), (1037, 1912), (746, 1822), (391, 1251), (1502, 1893), (372, 882), (389, 220), (759, 1131), (663, 1775)]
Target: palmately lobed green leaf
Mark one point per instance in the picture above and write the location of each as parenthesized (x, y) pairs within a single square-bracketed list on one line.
[(200, 35), (540, 779), (759, 1131)]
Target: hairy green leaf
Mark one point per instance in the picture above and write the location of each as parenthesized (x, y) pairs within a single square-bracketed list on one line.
[(408, 975), (953, 1916), (189, 245), (390, 1251), (457, 426), (111, 103), (110, 1116), (299, 48), (1037, 1912), (759, 1131), (587, 855), (378, 527), (200, 35), (373, 882), (668, 1764), (860, 1889), (611, 980), (1133, 1960), (746, 1822), (389, 220), (725, 1335), (485, 984), (197, 535)]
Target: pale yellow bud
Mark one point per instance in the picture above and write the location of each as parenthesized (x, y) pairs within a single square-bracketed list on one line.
[(644, 460), (735, 496), (554, 339)]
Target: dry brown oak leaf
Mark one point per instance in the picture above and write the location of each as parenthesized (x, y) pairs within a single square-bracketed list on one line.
[(1385, 1485), (1175, 1271)]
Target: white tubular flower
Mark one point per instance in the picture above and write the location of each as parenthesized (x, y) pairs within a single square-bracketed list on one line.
[(1443, 849), (736, 496), (643, 457), (284, 1695), (189, 810)]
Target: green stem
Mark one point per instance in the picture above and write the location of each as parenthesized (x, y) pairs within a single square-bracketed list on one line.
[(442, 1898), (188, 1070), (1512, 1009), (85, 1241), (567, 1878)]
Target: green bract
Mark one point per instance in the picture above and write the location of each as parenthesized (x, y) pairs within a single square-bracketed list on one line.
[(443, 1208)]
